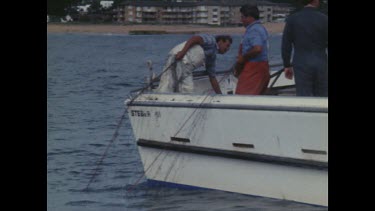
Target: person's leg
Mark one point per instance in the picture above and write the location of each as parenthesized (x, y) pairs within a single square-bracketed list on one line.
[(321, 82), (167, 79), (303, 78), (184, 73), (193, 59)]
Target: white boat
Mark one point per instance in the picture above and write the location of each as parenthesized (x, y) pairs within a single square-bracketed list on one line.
[(272, 145)]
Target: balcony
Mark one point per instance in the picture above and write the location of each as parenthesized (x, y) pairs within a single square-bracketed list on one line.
[(224, 9), (149, 9), (201, 16), (150, 16), (201, 9)]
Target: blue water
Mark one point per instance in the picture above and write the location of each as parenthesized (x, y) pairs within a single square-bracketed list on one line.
[(89, 77)]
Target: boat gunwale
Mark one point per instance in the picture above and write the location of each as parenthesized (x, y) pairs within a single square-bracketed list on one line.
[(153, 101)]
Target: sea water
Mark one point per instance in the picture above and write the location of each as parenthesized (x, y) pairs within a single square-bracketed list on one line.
[(89, 77)]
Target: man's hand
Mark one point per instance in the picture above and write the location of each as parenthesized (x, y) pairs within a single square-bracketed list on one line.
[(238, 66), (240, 60), (237, 69), (215, 85), (288, 72)]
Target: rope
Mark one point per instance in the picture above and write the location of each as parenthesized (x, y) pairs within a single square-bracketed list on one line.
[(191, 115), (207, 95), (277, 74), (106, 150), (119, 125), (139, 179), (151, 82)]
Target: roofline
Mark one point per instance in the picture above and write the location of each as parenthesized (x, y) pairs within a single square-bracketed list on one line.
[(201, 3)]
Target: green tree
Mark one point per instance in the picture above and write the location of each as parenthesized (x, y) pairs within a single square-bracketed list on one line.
[(116, 3), (299, 4), (95, 7), (58, 7)]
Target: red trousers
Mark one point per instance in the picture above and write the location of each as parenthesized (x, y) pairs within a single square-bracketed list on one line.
[(253, 79)]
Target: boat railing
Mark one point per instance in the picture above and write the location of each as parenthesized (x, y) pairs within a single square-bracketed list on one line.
[(204, 73), (272, 90)]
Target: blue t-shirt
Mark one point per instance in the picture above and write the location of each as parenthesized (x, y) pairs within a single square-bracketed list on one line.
[(255, 34), (210, 50)]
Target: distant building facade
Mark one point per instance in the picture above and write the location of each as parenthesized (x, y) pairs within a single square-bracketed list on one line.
[(106, 4), (82, 9), (211, 12)]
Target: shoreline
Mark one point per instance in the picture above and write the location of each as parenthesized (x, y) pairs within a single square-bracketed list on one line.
[(272, 28)]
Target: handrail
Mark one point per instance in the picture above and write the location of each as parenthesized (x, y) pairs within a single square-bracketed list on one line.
[(204, 73)]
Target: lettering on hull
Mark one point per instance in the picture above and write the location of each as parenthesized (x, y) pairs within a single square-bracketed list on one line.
[(140, 113)]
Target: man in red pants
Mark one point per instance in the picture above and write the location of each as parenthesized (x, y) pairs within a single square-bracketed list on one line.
[(252, 66)]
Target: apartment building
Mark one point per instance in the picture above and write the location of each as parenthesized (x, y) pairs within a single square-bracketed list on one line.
[(211, 12)]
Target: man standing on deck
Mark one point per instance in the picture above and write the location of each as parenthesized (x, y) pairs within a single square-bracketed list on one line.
[(189, 55), (307, 33), (252, 66)]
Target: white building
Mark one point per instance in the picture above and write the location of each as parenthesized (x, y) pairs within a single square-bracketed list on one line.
[(106, 4), (67, 19), (211, 12), (83, 8)]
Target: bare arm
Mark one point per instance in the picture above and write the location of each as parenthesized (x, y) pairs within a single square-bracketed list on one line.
[(215, 85), (253, 52), (194, 40)]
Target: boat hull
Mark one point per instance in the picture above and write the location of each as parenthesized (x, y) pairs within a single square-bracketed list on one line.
[(240, 176), (274, 147)]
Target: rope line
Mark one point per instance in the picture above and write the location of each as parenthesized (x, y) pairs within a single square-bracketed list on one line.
[(119, 125), (190, 116), (227, 73), (106, 150), (200, 104), (151, 82), (139, 179)]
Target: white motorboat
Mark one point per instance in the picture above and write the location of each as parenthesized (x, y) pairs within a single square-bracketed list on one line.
[(273, 145)]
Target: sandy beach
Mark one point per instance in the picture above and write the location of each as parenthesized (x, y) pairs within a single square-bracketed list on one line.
[(273, 28)]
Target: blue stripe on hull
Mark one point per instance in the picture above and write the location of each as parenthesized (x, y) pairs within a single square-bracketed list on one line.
[(156, 183)]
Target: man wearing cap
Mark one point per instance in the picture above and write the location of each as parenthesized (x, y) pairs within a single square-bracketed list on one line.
[(306, 32)]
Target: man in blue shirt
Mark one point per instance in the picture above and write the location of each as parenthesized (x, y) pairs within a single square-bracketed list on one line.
[(306, 32), (189, 55), (252, 66)]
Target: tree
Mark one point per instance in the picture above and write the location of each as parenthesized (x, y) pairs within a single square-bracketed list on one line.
[(95, 7), (298, 4), (57, 7), (116, 3)]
